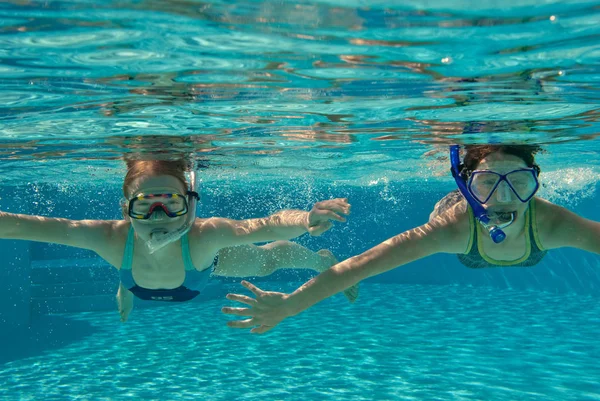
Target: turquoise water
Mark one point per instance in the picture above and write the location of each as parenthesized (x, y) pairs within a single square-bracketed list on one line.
[(343, 90), (288, 103), (401, 342)]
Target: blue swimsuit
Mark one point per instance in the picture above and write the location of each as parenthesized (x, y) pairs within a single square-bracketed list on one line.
[(194, 281)]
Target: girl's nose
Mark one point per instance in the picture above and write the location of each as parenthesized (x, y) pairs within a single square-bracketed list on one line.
[(504, 193), (157, 214)]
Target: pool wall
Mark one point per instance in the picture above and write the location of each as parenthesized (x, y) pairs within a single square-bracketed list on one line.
[(39, 278)]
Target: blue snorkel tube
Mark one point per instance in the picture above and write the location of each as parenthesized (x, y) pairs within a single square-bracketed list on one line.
[(495, 232)]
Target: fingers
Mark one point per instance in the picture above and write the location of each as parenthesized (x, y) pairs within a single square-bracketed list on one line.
[(343, 205), (337, 200), (334, 216), (237, 311), (242, 324), (336, 208), (255, 290), (330, 215), (241, 298), (261, 329), (339, 205)]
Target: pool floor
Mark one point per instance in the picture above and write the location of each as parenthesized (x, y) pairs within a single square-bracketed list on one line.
[(398, 342)]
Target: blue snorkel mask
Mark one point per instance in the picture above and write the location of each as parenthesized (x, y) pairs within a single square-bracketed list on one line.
[(495, 231)]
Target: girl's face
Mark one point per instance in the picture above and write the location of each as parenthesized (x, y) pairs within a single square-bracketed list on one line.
[(503, 199), (159, 221)]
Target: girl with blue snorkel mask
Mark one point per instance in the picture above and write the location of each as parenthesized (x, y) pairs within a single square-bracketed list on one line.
[(497, 184), (165, 253), (494, 219)]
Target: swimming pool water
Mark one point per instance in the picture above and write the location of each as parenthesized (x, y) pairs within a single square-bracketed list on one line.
[(276, 90), (288, 103), (399, 342)]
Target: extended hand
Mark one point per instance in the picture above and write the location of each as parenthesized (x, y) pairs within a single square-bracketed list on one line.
[(324, 211), (265, 311)]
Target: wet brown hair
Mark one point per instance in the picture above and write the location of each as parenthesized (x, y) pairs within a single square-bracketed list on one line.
[(476, 153), (141, 168)]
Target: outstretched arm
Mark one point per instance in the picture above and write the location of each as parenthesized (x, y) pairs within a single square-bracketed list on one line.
[(282, 225), (270, 308), (87, 234)]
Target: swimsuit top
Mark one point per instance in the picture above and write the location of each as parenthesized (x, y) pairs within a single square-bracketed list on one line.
[(534, 253), (194, 281)]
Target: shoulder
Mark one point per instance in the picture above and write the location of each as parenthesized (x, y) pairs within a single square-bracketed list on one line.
[(110, 238), (549, 216), (206, 237), (104, 230), (211, 230), (544, 207), (452, 200), (452, 227), (211, 225), (119, 228), (451, 213), (557, 226)]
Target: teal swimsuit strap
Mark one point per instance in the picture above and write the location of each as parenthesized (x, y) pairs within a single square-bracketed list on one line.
[(128, 252), (185, 253)]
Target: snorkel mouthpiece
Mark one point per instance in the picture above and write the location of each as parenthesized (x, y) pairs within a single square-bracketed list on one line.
[(495, 231), (497, 235), (159, 240)]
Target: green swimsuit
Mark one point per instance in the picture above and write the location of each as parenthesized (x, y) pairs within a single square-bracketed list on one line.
[(475, 258)]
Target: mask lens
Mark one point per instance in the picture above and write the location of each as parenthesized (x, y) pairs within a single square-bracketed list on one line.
[(482, 184), (524, 183), (143, 206)]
